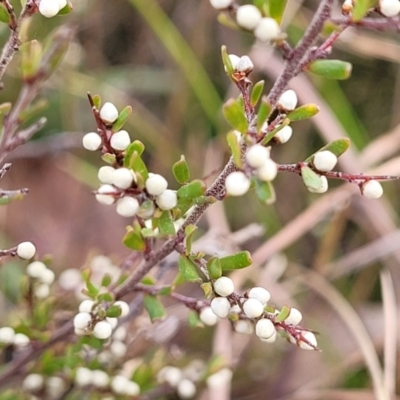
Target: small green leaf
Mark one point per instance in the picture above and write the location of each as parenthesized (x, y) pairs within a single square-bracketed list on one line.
[(165, 291), (276, 9), (106, 297), (269, 136), (192, 190), (148, 280), (92, 290), (283, 314), (256, 93), (122, 118), (207, 289), (154, 307), (137, 164), (234, 145), (5, 108), (108, 158), (304, 112), (134, 240), (181, 171), (361, 8), (236, 261), (337, 147), (166, 225), (331, 69), (187, 269), (226, 20), (96, 101), (310, 178), (31, 53), (263, 112), (144, 376), (234, 114), (65, 10), (113, 311), (4, 15), (227, 61), (214, 267), (265, 192), (106, 281), (55, 49), (193, 319), (262, 5), (189, 233)]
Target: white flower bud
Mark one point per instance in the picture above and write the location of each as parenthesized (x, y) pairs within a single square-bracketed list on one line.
[(224, 286), (49, 8), (220, 306), (120, 334), (271, 339), (371, 189), (156, 184), (170, 375), (268, 171), (123, 178), (112, 321), (55, 386), (389, 8), (220, 378), (248, 16), (284, 134), (105, 174), (82, 320), (92, 141), (323, 188), (36, 269), (26, 250), (83, 377), (132, 388), (7, 335), (69, 279), (33, 382), (257, 155), (267, 29), (324, 161), (265, 328), (42, 291), (234, 60), (108, 113), (104, 194), (235, 309), (294, 317), (310, 337), (288, 100), (220, 4), (120, 140), (167, 200), (102, 330), (124, 306), (118, 349), (21, 340), (127, 206), (245, 65), (62, 4), (244, 326), (47, 276), (208, 317), (86, 306), (100, 378), (259, 293), (237, 183), (253, 308), (118, 384), (186, 389)]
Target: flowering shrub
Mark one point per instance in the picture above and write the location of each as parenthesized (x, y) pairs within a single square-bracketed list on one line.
[(93, 352)]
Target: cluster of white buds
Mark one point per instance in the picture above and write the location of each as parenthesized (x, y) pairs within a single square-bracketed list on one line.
[(258, 157), (50, 8), (157, 186), (26, 250), (88, 320), (389, 8), (250, 18), (9, 337), (176, 378), (42, 278), (53, 385), (241, 64), (324, 161), (124, 386), (371, 189)]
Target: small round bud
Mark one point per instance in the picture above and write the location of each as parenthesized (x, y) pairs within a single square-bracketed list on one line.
[(21, 340), (253, 308), (100, 378), (284, 134), (106, 174), (127, 206), (55, 386), (105, 194), (132, 388), (47, 276), (220, 306), (170, 375), (244, 326), (260, 294), (120, 334), (268, 171), (167, 200), (33, 382), (288, 100), (86, 306), (102, 330), (271, 339), (82, 320), (49, 8), (324, 161), (124, 308), (220, 378), (208, 317), (36, 269), (371, 189), (120, 140), (234, 60), (248, 16), (220, 4), (267, 29), (69, 279), (265, 328), (108, 113), (123, 178), (42, 291), (62, 4), (311, 338), (7, 335), (83, 377), (257, 155), (118, 349), (224, 286), (186, 389), (112, 321), (245, 65), (323, 188), (389, 8), (237, 183), (92, 141), (156, 184), (118, 384), (294, 317), (235, 309), (26, 250)]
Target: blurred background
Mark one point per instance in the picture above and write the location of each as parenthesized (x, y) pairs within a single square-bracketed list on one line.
[(334, 256)]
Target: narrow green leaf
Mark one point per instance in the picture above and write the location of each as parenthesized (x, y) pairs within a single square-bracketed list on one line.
[(5, 108), (236, 261), (108, 158), (256, 93), (133, 239), (310, 178), (92, 290), (97, 101), (263, 112), (265, 192), (122, 118), (165, 291), (31, 54), (55, 48), (188, 269), (137, 164), (181, 171), (137, 146), (226, 20), (361, 8), (270, 135), (207, 289), (154, 307), (331, 69), (283, 314), (106, 297), (304, 112), (337, 147), (276, 9), (166, 225), (113, 311), (234, 145), (66, 10), (4, 15), (227, 61), (189, 234), (214, 267), (193, 319), (234, 114), (192, 190), (106, 281)]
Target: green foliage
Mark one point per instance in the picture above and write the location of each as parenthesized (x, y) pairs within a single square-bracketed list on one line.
[(331, 69), (181, 172), (154, 307), (240, 260)]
